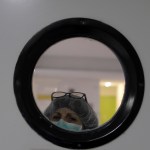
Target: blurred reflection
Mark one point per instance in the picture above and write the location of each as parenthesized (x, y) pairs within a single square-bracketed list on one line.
[(78, 65)]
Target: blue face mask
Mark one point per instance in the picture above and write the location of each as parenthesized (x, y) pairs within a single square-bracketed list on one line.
[(67, 126)]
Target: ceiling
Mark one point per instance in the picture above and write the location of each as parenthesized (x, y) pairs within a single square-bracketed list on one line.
[(79, 54), (80, 47)]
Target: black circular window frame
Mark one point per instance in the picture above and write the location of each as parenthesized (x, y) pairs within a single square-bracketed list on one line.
[(70, 28)]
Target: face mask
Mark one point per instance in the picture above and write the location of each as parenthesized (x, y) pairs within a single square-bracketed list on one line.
[(67, 126)]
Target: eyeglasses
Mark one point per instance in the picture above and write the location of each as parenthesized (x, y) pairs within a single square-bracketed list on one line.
[(76, 95)]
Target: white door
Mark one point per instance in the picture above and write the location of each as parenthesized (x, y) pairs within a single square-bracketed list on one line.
[(21, 19)]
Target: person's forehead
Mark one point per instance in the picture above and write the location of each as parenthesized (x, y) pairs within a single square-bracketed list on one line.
[(65, 110)]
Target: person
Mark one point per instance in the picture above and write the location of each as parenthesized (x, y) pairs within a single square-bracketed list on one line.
[(71, 111)]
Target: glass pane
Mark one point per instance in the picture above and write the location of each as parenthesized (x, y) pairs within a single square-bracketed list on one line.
[(76, 94), (79, 65), (58, 94)]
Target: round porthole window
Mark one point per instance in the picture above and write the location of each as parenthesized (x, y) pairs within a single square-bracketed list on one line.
[(79, 83)]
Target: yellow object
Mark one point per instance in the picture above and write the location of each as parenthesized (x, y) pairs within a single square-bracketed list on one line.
[(43, 97)]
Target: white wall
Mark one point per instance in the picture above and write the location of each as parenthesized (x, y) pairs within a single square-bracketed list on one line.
[(20, 19)]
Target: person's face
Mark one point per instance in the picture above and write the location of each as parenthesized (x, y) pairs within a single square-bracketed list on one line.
[(67, 115)]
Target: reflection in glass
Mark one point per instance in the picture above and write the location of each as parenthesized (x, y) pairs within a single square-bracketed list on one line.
[(80, 65)]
